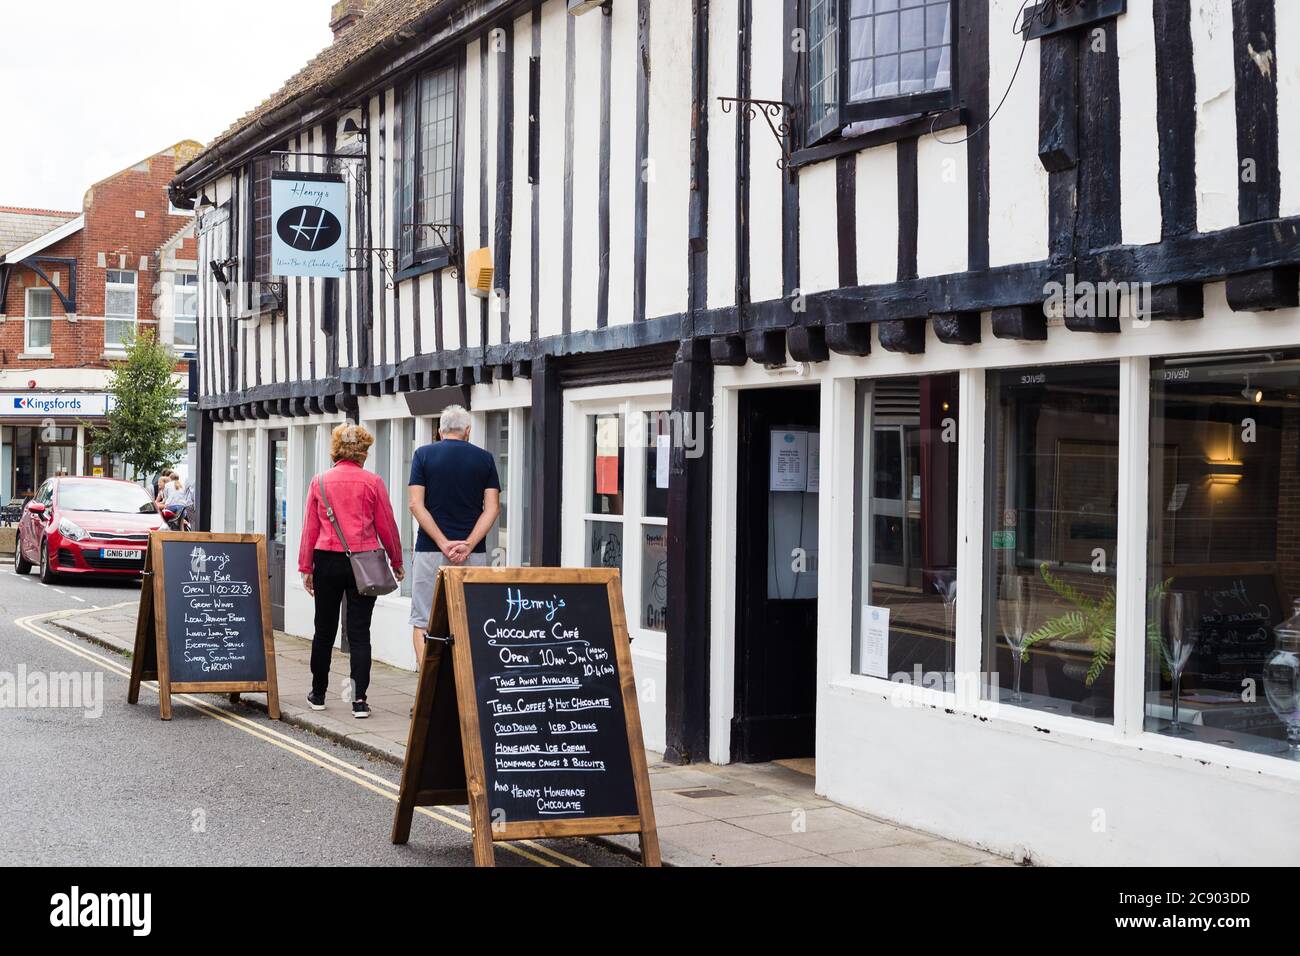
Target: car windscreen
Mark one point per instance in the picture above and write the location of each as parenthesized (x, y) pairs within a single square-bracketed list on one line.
[(109, 496)]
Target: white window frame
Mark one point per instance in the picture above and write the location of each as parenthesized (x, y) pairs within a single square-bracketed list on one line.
[(28, 319), (576, 495), (190, 289), (133, 318)]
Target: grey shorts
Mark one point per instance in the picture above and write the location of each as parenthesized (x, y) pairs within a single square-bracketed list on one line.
[(424, 573)]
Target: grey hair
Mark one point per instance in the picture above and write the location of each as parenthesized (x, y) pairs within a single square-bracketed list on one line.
[(454, 419)]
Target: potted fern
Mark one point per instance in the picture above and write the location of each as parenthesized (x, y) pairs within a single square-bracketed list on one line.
[(1089, 620)]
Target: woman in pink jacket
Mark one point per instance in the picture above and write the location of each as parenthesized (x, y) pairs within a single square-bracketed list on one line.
[(365, 514)]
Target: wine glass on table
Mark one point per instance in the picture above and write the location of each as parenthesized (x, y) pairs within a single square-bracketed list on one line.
[(1014, 608)]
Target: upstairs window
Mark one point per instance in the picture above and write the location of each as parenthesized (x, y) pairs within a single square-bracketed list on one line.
[(259, 236), (39, 308), (185, 298), (871, 59), (119, 309), (428, 166)]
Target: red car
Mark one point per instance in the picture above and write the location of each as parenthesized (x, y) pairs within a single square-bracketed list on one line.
[(86, 526)]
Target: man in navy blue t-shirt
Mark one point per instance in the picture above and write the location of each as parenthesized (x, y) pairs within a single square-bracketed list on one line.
[(455, 496)]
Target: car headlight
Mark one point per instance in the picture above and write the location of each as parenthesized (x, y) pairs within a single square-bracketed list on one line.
[(70, 529)]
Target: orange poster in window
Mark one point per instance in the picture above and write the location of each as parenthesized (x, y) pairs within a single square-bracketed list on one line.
[(607, 456)]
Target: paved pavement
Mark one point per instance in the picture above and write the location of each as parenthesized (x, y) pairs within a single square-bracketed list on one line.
[(100, 782), (707, 815)]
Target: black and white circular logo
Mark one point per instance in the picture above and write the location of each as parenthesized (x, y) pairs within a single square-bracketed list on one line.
[(309, 228)]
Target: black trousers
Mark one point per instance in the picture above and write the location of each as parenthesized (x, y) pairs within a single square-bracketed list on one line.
[(333, 579)]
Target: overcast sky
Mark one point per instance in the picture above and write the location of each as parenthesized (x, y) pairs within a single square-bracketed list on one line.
[(94, 87)]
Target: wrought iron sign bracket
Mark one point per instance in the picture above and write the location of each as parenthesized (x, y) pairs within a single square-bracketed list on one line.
[(776, 113), (387, 259)]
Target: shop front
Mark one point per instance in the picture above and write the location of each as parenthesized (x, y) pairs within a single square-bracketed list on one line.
[(43, 434), (1051, 592)]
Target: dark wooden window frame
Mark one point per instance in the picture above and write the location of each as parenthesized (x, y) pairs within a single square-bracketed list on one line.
[(847, 112), (412, 259), (257, 246)]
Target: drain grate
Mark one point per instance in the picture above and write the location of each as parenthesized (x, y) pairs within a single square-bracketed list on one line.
[(705, 792)]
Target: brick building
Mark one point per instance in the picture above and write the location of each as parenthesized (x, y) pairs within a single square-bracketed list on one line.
[(73, 287)]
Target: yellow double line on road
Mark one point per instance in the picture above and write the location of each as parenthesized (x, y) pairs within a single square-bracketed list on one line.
[(458, 819)]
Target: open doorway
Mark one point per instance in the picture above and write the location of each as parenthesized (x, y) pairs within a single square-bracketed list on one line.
[(778, 482)]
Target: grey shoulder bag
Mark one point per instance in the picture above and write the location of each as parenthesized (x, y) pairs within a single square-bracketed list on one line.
[(370, 568)]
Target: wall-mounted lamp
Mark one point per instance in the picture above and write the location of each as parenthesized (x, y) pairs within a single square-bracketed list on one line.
[(1255, 395), (1227, 472), (205, 202), (350, 128)]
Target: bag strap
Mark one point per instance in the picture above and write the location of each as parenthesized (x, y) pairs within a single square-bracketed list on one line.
[(329, 511)]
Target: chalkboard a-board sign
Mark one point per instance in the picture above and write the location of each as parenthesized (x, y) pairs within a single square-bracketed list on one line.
[(526, 710), (204, 624)]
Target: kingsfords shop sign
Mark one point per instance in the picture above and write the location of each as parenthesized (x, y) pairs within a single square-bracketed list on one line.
[(55, 404)]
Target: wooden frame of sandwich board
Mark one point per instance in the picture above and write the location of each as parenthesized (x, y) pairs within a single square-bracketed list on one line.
[(455, 782), (151, 658)]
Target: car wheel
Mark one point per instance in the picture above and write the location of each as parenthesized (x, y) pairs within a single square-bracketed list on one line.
[(21, 564), (47, 576)]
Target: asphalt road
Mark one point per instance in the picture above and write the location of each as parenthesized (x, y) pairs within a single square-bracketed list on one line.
[(218, 785)]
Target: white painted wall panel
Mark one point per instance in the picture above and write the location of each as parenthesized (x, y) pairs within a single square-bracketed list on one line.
[(494, 48), (765, 221), (1018, 229), (623, 169), (449, 289), (942, 243), (877, 215), (668, 201), (819, 263), (586, 171), (1216, 115), (474, 176), (551, 207), (521, 242), (1139, 155), (723, 38), (1287, 64)]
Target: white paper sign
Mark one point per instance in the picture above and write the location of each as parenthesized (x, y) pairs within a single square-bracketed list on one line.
[(663, 458), (873, 644), (309, 225), (814, 463), (789, 462)]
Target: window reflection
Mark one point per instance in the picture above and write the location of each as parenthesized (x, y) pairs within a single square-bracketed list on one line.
[(1224, 569), (1052, 490)]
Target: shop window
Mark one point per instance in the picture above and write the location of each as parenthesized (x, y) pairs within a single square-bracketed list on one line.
[(659, 439), (406, 520), (1052, 490), (259, 207), (231, 490), (524, 506), (119, 308), (38, 323), (905, 540), (1223, 652), (607, 464), (497, 442)]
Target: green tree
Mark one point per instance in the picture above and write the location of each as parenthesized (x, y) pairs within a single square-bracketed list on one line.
[(145, 425)]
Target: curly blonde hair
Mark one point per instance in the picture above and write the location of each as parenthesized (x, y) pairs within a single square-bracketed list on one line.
[(350, 442)]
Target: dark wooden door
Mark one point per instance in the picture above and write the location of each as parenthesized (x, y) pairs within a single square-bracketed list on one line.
[(776, 607), (277, 519)]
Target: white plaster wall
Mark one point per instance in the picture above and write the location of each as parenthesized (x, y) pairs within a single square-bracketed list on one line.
[(551, 206), (819, 263), (623, 171), (670, 143), (521, 242), (765, 179), (1216, 115), (942, 242), (1287, 64), (877, 215), (474, 177), (586, 170), (722, 155), (1139, 153)]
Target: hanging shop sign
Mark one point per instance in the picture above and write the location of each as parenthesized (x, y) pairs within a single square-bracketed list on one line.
[(309, 235)]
